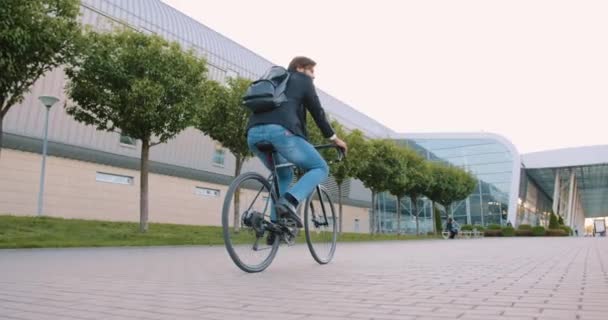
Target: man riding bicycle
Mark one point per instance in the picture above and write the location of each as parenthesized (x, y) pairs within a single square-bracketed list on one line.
[(285, 129)]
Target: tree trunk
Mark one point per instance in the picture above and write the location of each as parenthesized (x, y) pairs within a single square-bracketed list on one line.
[(372, 224), (3, 111), (1, 132), (434, 218), (237, 195), (415, 205), (339, 208), (143, 185), (448, 211), (398, 210)]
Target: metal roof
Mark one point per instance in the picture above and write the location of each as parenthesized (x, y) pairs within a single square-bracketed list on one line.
[(154, 16), (567, 157), (590, 165)]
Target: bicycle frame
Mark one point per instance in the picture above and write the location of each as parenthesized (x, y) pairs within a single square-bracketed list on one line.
[(275, 191)]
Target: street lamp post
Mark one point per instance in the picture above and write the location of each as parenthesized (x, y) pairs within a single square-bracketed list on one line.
[(48, 102)]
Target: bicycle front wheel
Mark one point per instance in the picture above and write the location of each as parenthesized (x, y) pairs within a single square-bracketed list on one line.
[(320, 226), (245, 215)]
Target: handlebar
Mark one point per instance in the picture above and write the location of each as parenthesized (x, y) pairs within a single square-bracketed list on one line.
[(341, 154)]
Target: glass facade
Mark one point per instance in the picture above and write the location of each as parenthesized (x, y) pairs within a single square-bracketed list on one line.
[(534, 206), (489, 160)]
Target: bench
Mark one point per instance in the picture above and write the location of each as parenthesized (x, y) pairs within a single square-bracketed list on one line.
[(467, 234)]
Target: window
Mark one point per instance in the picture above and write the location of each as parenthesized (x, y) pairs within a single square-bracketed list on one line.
[(127, 141), (218, 156), (206, 192), (113, 178)]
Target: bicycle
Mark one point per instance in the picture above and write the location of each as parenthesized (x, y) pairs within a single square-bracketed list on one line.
[(252, 240)]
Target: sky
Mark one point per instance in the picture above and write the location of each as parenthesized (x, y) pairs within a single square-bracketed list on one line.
[(535, 72)]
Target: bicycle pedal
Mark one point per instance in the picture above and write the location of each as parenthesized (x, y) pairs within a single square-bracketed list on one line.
[(289, 239)]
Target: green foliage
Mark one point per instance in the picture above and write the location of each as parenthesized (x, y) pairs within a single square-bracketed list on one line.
[(223, 117), (508, 231), (466, 227), (538, 231), (566, 229), (556, 233), (413, 178), (493, 232), (470, 227), (524, 232), (399, 182), (140, 84), (36, 36), (449, 184), (560, 220), (315, 136), (383, 162), (358, 149), (494, 227), (553, 222)]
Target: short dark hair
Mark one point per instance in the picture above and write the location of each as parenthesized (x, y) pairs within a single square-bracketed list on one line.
[(301, 62)]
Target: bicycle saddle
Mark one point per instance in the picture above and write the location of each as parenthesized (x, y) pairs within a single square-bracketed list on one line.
[(265, 146)]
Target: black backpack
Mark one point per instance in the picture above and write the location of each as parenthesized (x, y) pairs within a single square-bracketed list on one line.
[(268, 92)]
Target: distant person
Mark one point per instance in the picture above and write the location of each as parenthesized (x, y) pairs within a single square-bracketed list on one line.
[(576, 232), (450, 227)]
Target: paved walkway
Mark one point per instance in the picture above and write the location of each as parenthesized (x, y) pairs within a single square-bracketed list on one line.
[(513, 278)]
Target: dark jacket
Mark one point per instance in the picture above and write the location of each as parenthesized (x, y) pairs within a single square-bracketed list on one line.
[(449, 227), (301, 96)]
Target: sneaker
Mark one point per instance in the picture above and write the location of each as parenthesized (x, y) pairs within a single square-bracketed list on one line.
[(286, 209)]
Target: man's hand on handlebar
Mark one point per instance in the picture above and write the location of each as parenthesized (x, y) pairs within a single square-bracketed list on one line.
[(341, 144)]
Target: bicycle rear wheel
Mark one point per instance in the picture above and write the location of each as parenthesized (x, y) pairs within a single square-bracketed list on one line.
[(245, 215), (320, 226)]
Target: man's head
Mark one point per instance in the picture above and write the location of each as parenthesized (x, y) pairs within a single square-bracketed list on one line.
[(304, 65)]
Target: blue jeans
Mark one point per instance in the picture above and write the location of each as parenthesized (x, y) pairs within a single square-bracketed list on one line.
[(291, 149)]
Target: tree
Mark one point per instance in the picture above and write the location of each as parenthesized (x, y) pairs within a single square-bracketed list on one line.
[(341, 171), (382, 159), (139, 84), (450, 184), (35, 36), (399, 182), (436, 218), (420, 183), (553, 221), (413, 180), (560, 220), (223, 118)]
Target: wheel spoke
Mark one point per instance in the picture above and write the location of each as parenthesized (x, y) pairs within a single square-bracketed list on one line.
[(320, 226), (244, 219)]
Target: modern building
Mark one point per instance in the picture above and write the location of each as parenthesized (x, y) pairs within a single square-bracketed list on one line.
[(571, 182), (94, 175)]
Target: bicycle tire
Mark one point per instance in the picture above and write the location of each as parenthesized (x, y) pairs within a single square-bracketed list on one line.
[(227, 215), (312, 231)]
